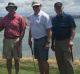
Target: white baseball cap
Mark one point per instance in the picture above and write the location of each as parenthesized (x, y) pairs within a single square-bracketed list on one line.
[(36, 3)]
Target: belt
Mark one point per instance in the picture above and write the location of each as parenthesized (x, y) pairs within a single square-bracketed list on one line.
[(11, 37), (61, 39), (45, 37)]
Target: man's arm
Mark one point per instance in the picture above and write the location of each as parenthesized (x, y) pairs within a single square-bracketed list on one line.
[(71, 41), (1, 25), (72, 28), (22, 28), (72, 37), (72, 34), (49, 32), (22, 35)]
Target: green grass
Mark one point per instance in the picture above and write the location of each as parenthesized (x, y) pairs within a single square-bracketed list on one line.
[(25, 71), (27, 67)]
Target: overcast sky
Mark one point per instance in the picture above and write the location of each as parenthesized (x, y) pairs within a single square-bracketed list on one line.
[(24, 6)]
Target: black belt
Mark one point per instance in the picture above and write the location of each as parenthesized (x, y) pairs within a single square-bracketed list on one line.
[(40, 38)]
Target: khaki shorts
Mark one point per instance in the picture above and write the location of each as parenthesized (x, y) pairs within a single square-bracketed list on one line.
[(9, 51)]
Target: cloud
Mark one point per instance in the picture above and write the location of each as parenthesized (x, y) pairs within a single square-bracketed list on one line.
[(77, 2), (2, 1), (24, 6)]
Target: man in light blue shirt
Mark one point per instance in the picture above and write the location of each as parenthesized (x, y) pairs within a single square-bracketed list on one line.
[(40, 31)]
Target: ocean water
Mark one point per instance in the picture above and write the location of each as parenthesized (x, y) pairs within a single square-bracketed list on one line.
[(26, 51)]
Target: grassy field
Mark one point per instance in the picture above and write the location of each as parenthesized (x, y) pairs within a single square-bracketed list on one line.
[(27, 67)]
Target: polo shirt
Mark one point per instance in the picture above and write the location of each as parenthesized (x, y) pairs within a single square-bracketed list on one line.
[(13, 26), (62, 25), (39, 24)]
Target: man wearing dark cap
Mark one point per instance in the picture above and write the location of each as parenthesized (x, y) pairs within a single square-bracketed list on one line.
[(14, 28), (62, 39), (40, 31)]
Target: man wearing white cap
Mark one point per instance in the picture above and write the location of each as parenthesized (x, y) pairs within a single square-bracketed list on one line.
[(40, 31)]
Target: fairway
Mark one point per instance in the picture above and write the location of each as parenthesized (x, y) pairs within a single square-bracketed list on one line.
[(26, 70), (30, 70), (27, 67)]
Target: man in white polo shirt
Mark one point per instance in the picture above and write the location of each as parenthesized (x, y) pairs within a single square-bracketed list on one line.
[(40, 31)]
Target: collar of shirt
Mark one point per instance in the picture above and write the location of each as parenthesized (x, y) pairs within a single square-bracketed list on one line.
[(38, 13), (11, 17), (61, 15)]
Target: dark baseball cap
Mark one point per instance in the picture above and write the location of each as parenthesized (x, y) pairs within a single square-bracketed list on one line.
[(58, 4)]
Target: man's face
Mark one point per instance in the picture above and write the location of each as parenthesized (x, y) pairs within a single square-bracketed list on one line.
[(36, 8), (11, 9), (58, 9)]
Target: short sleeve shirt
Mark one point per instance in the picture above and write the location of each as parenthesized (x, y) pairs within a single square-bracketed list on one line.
[(39, 24), (13, 27), (62, 25)]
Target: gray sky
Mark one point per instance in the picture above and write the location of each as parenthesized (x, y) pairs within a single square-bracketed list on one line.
[(24, 6)]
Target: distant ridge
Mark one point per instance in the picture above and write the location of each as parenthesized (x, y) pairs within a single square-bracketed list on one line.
[(75, 16)]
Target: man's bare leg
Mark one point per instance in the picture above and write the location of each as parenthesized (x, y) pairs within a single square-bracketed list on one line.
[(17, 66), (9, 65), (43, 67)]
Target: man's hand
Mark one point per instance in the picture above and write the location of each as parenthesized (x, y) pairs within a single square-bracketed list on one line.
[(47, 45), (70, 45), (17, 43)]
